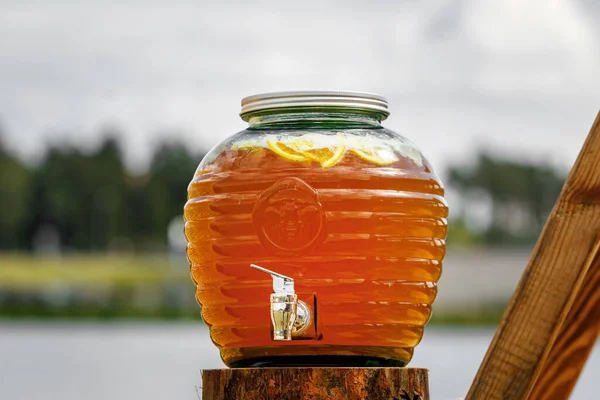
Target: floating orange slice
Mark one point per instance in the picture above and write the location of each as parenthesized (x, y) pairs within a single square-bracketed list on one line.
[(328, 156), (285, 151)]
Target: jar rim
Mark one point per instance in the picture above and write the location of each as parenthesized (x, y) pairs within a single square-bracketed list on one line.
[(322, 99)]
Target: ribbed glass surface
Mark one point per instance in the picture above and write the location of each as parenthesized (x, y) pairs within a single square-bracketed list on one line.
[(357, 219)]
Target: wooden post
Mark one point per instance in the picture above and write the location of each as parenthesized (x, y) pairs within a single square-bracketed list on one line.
[(559, 284), (315, 384), (574, 343)]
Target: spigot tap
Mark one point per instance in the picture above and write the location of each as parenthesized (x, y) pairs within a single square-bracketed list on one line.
[(289, 316)]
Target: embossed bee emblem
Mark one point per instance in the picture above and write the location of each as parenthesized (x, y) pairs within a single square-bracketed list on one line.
[(288, 217)]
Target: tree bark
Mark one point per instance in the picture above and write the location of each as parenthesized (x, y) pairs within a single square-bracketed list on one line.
[(315, 384)]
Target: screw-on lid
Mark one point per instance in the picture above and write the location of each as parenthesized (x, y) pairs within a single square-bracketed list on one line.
[(314, 98)]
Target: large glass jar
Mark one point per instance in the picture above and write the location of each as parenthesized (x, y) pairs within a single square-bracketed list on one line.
[(318, 191)]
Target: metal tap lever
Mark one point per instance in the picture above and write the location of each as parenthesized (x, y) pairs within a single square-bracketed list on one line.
[(289, 316), (281, 284)]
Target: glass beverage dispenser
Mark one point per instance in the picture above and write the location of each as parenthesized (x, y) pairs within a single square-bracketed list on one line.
[(316, 235)]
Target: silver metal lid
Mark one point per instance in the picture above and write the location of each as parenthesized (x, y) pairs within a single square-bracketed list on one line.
[(314, 98)]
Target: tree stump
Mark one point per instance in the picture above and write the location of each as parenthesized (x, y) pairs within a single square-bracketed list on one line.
[(315, 384)]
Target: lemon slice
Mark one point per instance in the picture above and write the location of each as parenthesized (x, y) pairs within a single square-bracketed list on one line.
[(328, 156), (377, 155), (284, 151), (300, 144)]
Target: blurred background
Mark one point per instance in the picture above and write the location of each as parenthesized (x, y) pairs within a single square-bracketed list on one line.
[(107, 108)]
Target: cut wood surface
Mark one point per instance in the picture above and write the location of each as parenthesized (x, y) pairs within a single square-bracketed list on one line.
[(315, 384), (574, 342), (554, 277)]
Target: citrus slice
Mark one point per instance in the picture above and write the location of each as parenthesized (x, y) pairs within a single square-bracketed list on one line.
[(300, 144), (328, 156), (284, 151), (377, 155)]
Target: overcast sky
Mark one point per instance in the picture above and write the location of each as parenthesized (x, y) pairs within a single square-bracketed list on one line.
[(520, 77)]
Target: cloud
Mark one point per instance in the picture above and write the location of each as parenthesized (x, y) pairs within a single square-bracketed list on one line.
[(521, 77)]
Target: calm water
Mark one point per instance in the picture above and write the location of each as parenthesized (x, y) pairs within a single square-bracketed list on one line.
[(160, 361)]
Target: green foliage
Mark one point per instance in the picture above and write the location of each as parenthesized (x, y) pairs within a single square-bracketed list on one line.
[(82, 195), (16, 186), (90, 200), (95, 286), (487, 315), (170, 172), (460, 235), (521, 196)]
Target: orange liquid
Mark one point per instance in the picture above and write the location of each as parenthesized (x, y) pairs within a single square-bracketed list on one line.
[(363, 242)]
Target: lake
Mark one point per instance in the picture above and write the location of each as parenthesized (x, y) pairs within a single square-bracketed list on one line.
[(149, 361)]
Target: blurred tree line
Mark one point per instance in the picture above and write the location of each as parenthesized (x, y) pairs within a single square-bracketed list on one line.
[(89, 201), (516, 198)]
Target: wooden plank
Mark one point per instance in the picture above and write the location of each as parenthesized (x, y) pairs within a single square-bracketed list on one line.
[(578, 335), (548, 287), (315, 383)]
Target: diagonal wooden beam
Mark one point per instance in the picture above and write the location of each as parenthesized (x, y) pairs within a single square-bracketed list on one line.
[(563, 255), (574, 343)]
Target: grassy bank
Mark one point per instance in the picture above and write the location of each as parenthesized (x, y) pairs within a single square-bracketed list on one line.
[(128, 287)]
